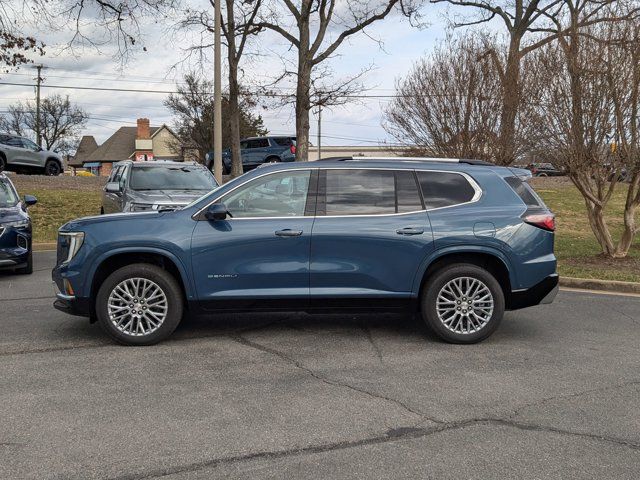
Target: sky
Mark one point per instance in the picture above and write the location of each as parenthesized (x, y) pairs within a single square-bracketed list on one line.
[(159, 68)]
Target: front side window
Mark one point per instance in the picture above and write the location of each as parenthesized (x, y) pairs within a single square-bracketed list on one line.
[(282, 194), (8, 197), (29, 145), (172, 178), (444, 189)]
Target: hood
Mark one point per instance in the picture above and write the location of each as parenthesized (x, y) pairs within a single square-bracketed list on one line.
[(170, 197), (78, 223)]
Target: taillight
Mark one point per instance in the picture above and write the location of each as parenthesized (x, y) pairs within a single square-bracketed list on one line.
[(545, 221), (292, 148)]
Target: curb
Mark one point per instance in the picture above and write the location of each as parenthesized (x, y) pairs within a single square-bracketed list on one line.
[(603, 285), (39, 247)]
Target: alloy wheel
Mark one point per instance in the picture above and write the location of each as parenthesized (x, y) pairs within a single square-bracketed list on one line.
[(137, 306), (464, 305)]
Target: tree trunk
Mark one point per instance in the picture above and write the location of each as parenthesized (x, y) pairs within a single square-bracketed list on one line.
[(600, 229), (510, 103), (629, 232), (303, 88), (234, 119), (234, 93)]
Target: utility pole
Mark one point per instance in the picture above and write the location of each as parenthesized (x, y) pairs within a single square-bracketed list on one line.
[(38, 82), (319, 132), (217, 96)]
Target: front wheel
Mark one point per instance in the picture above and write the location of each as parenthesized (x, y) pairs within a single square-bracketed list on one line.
[(140, 304), (463, 303)]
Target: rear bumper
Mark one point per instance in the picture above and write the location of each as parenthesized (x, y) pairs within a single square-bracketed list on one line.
[(541, 293)]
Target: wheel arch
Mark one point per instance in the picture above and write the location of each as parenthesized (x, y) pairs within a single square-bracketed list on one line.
[(115, 259), (487, 258)]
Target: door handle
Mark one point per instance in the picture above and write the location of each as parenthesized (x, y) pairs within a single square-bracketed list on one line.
[(287, 232), (410, 231)]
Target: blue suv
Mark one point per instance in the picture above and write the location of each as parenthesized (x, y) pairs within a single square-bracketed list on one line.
[(256, 151), (459, 241)]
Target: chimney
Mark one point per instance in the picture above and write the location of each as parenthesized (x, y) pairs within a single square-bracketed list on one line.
[(144, 131)]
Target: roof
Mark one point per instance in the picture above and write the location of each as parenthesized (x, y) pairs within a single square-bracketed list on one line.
[(87, 146), (118, 146), (160, 163)]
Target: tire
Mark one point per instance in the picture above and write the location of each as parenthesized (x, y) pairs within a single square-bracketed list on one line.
[(3, 163), (28, 270), (482, 323), (272, 160), (158, 282), (52, 168), (101, 210), (542, 175)]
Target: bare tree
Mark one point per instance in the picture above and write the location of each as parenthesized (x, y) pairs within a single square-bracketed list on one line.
[(530, 24), (60, 121), (238, 26), (449, 105), (192, 107), (318, 32), (589, 118)]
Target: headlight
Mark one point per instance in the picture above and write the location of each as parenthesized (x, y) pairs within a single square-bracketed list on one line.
[(75, 240), (140, 207), (18, 224)]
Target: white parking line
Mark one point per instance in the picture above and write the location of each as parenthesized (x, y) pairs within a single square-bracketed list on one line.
[(599, 292)]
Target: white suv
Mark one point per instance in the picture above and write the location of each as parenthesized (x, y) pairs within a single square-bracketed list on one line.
[(19, 153)]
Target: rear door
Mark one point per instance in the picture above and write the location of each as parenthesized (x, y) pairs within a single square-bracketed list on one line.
[(257, 150), (370, 234), (15, 151)]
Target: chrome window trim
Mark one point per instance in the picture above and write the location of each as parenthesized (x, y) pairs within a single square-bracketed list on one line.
[(476, 197)]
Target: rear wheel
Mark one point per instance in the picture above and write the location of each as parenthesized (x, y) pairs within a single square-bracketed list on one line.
[(52, 168), (140, 304), (463, 303)]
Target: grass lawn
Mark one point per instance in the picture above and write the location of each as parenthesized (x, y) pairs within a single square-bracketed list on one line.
[(576, 247), (62, 199)]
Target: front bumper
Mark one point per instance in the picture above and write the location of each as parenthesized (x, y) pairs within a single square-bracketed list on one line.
[(543, 292), (72, 305)]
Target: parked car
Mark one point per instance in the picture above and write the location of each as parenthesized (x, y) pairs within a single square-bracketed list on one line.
[(147, 186), (545, 170), (15, 229), (257, 151), (21, 154), (457, 240)]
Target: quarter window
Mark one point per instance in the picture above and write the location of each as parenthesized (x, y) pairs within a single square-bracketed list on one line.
[(281, 194), (444, 189)]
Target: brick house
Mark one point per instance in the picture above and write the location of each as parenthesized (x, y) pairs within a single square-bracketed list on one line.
[(141, 143)]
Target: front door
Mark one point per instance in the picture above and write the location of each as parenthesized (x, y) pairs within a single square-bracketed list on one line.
[(370, 235), (260, 254)]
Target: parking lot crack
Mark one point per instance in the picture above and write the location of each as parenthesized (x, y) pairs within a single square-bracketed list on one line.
[(391, 435), (570, 396), (296, 363)]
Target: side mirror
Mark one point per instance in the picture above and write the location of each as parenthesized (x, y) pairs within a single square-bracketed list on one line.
[(112, 187), (30, 200), (217, 211)]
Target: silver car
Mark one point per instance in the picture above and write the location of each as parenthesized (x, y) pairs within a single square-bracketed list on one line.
[(20, 154), (156, 185)]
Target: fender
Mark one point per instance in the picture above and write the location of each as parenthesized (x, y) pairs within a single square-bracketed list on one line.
[(436, 254), (186, 279)]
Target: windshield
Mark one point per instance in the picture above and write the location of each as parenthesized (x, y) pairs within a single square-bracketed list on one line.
[(172, 178), (8, 197)]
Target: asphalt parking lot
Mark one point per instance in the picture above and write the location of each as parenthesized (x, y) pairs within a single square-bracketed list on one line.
[(553, 394)]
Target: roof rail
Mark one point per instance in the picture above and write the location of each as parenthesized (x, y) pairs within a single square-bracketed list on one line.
[(408, 159)]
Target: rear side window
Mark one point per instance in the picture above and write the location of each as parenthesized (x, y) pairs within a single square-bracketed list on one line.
[(370, 192), (258, 143), (283, 141), (525, 192), (444, 189)]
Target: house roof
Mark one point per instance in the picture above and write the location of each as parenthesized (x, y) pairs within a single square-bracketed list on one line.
[(86, 147), (118, 146)]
